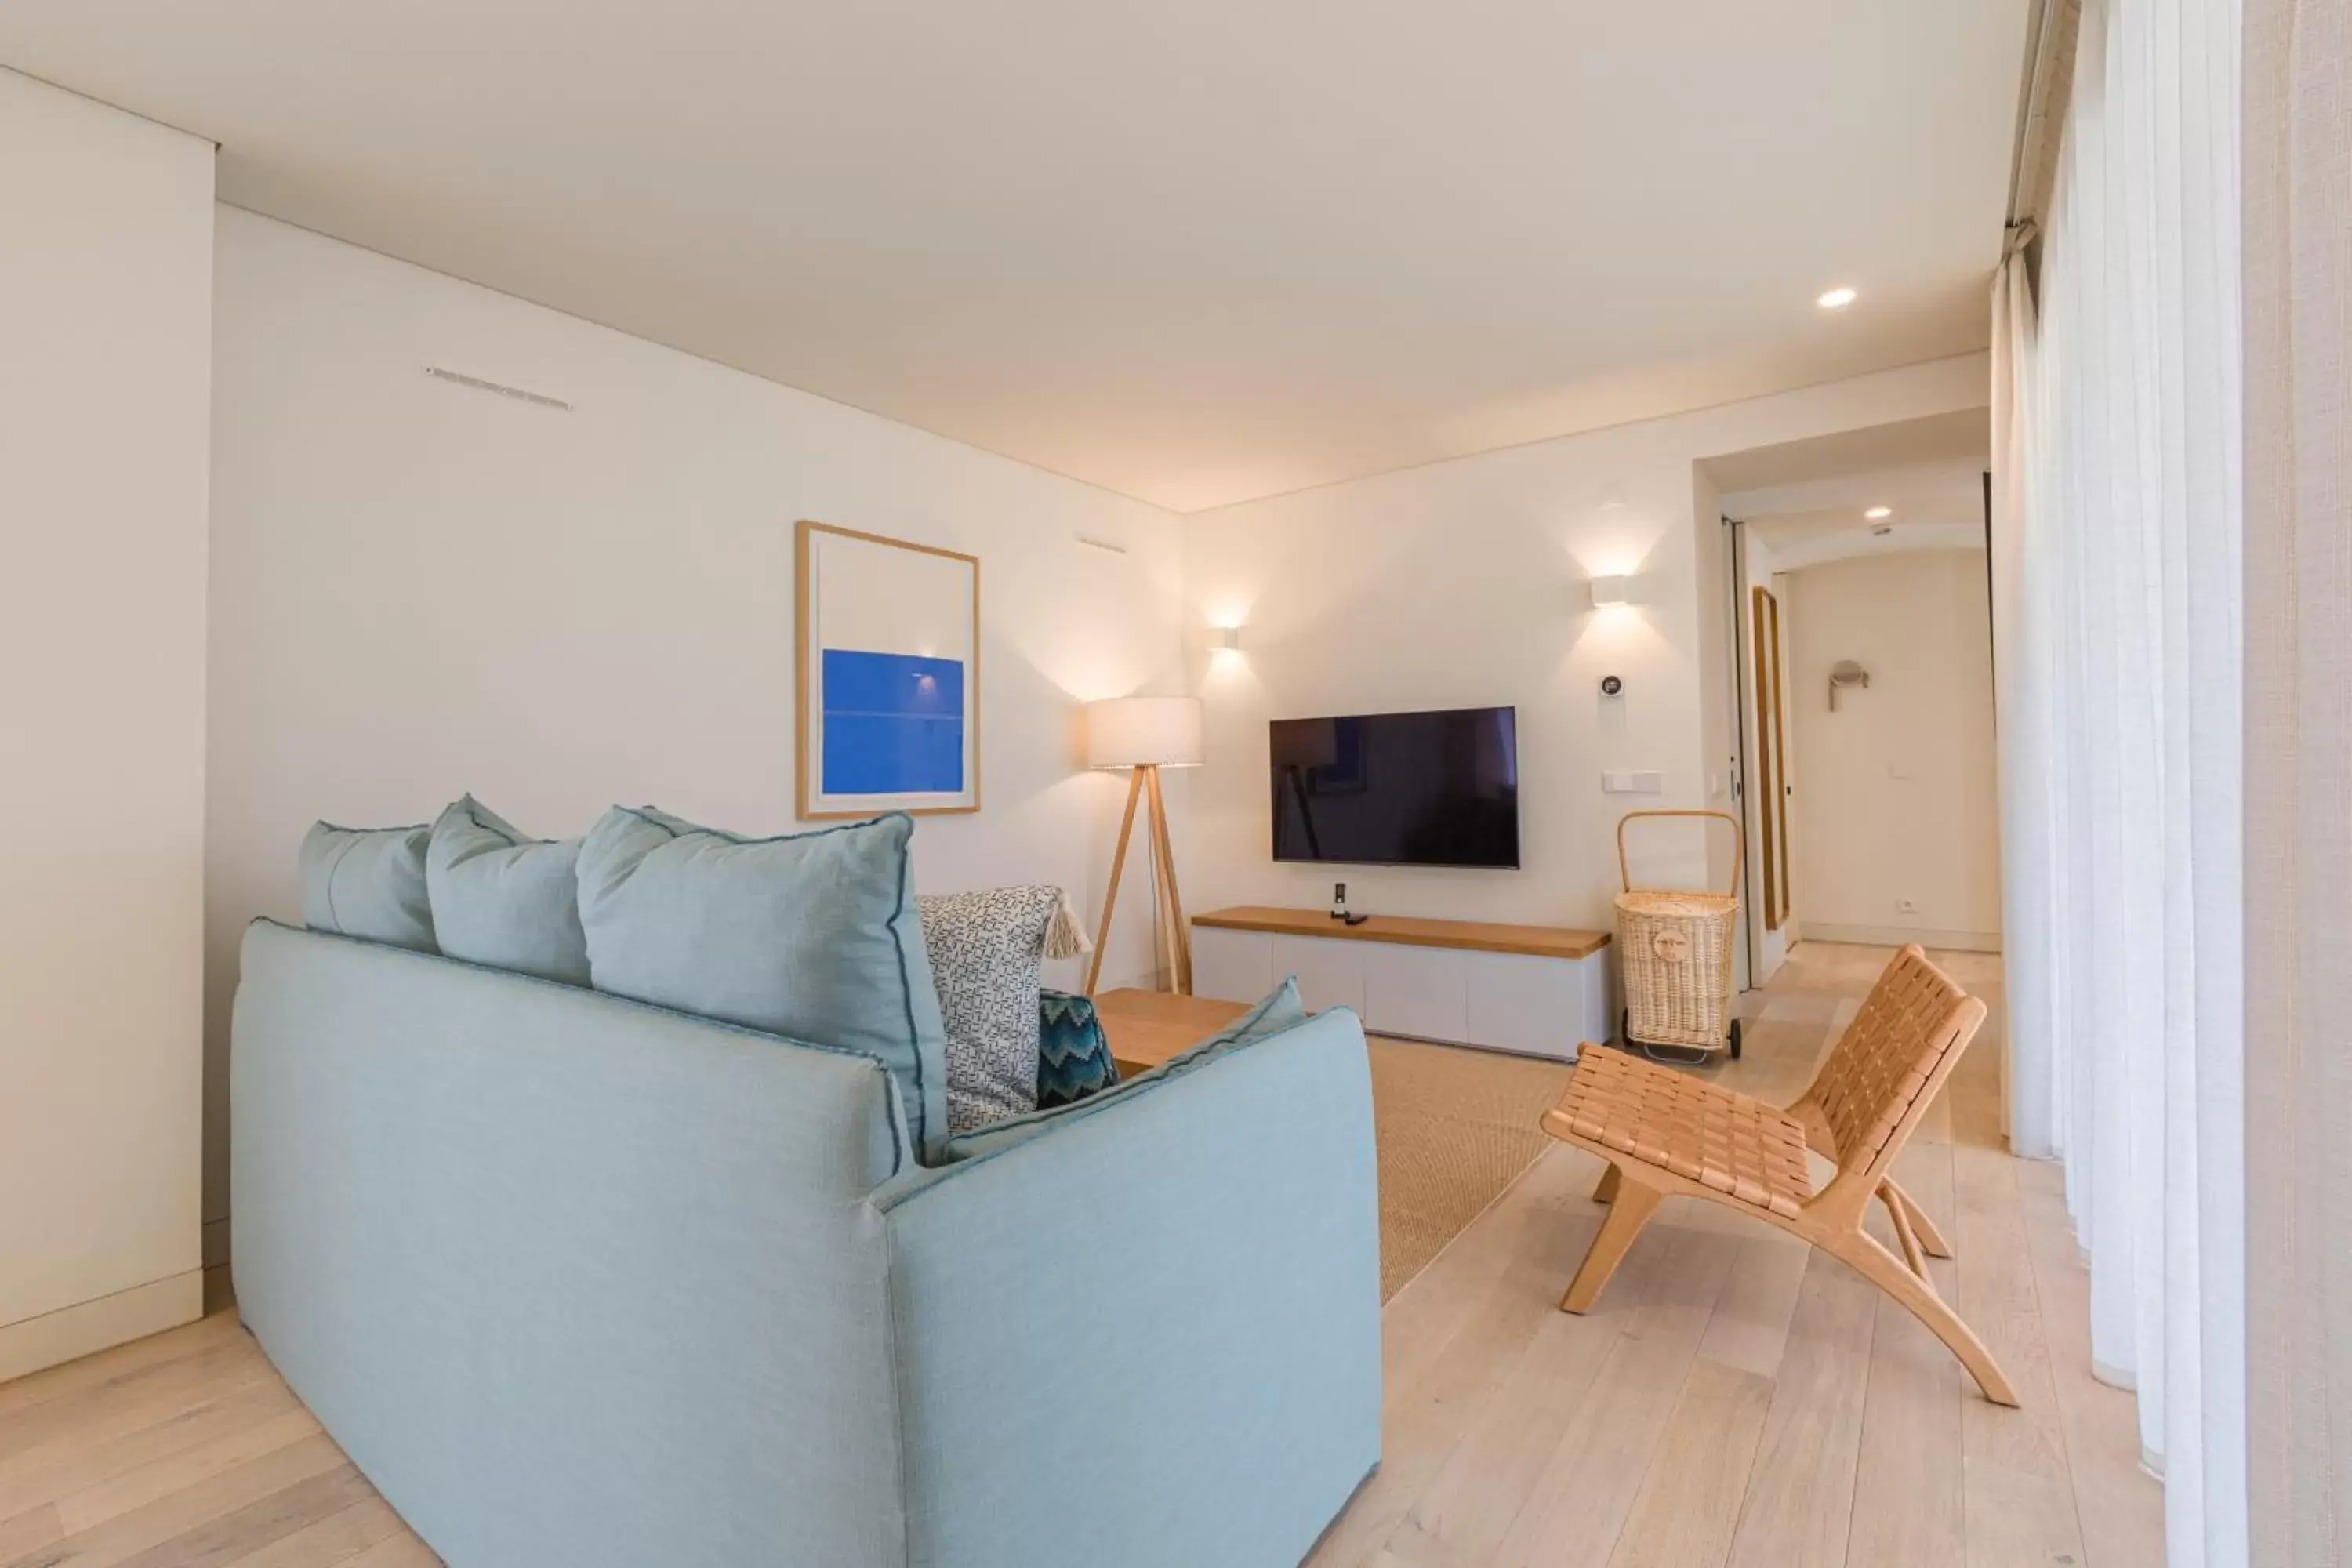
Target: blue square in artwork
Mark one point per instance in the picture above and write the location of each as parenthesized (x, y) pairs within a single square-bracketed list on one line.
[(893, 723)]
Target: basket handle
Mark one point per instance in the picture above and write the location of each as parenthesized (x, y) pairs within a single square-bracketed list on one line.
[(1738, 844)]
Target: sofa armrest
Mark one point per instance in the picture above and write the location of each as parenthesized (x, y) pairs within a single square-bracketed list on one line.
[(1151, 1333)]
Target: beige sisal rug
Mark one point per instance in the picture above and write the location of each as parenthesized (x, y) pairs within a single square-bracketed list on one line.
[(1454, 1128)]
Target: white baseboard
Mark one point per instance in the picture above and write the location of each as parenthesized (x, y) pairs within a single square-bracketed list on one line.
[(87, 1327), (1896, 936)]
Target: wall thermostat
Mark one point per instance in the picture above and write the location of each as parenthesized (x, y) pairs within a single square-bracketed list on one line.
[(1611, 686)]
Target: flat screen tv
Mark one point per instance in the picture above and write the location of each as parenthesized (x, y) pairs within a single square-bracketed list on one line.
[(1398, 789)]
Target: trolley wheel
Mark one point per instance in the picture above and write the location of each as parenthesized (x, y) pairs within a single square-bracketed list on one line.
[(1735, 1039), (1673, 1056)]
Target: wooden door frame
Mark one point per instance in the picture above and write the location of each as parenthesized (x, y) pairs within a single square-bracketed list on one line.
[(1741, 771), (1772, 763)]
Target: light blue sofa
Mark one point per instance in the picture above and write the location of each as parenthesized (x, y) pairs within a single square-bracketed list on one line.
[(579, 1281)]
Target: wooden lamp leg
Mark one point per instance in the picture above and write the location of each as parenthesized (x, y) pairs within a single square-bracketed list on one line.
[(1179, 935), (1163, 929), (1118, 865)]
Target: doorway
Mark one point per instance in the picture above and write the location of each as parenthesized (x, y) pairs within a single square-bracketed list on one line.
[(1858, 661)]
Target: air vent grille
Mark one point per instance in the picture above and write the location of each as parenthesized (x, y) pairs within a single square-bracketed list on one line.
[(540, 399)]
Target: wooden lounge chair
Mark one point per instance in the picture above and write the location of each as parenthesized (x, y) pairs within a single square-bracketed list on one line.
[(1667, 1133)]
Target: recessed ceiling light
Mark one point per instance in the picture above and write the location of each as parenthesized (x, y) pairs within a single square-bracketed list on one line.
[(1835, 299), (1875, 513)]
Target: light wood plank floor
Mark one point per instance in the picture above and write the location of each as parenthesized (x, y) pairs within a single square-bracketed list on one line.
[(1733, 1398)]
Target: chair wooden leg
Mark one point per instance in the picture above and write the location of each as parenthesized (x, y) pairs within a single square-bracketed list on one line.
[(1931, 1240), (1605, 1190), (1912, 1258), (1863, 1254), (1630, 1210)]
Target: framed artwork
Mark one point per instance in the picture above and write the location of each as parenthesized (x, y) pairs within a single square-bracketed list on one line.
[(888, 671)]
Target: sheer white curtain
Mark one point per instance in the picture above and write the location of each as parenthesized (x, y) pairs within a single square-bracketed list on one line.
[(2119, 589), (2298, 272)]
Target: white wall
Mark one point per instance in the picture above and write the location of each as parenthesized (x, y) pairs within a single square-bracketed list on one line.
[(1896, 789), (1717, 674), (105, 329), (1464, 583), (420, 589)]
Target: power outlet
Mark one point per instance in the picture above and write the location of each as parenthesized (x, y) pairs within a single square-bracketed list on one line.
[(1908, 906)]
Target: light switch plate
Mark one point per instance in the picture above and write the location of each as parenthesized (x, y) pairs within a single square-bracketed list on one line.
[(1633, 780)]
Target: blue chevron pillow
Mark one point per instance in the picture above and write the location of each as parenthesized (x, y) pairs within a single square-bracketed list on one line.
[(1073, 1058)]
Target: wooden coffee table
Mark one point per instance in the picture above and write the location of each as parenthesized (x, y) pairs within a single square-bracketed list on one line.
[(1146, 1028)]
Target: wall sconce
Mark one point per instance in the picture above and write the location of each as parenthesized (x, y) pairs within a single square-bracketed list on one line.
[(1609, 592), (1225, 640)]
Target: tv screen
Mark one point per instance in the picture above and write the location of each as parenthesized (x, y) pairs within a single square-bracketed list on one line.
[(1399, 789)]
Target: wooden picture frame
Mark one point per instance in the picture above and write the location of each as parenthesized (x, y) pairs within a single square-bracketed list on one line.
[(872, 612)]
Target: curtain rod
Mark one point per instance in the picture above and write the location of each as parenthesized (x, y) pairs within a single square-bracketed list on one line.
[(2049, 29)]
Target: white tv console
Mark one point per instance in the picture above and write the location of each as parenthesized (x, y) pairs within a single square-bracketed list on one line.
[(1536, 990)]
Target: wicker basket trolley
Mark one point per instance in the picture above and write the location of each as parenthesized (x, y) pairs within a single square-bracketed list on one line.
[(1675, 949)]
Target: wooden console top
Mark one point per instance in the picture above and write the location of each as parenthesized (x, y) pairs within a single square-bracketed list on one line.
[(1477, 936)]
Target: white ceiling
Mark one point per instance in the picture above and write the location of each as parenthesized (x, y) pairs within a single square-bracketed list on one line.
[(1194, 253), (1805, 501)]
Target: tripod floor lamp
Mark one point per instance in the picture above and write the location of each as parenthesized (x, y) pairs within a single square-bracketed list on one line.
[(1147, 735)]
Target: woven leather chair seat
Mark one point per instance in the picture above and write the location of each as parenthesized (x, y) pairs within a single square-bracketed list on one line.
[(1737, 1146)]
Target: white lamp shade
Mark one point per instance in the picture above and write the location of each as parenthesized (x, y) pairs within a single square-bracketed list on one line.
[(1131, 732)]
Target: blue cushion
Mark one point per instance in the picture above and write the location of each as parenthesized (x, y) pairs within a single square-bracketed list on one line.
[(505, 899), (1073, 1058), (368, 882), (812, 935)]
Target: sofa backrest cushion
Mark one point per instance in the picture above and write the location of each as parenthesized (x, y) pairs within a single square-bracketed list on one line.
[(813, 935), (368, 882), (503, 899)]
